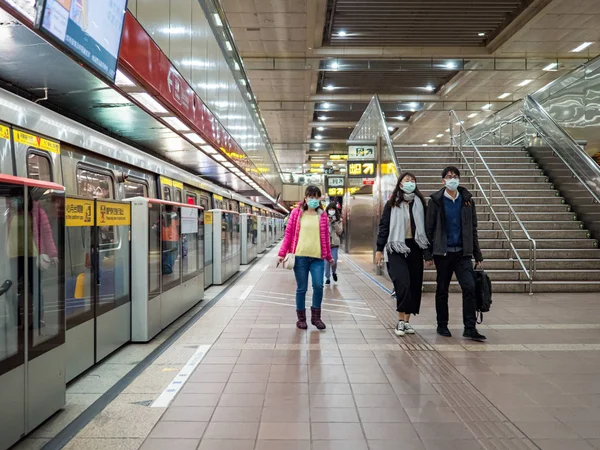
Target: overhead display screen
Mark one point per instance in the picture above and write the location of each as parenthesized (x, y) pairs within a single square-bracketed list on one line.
[(89, 28)]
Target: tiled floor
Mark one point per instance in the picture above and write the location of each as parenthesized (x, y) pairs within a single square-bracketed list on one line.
[(264, 385)]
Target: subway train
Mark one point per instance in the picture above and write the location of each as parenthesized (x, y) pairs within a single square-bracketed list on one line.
[(93, 316)]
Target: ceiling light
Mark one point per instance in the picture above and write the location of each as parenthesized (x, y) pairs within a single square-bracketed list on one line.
[(425, 145), (208, 150), (326, 105), (342, 33), (431, 141), (448, 130), (320, 128), (219, 157), (318, 145), (413, 105), (148, 102), (227, 164), (122, 80), (323, 117), (430, 88), (506, 94), (217, 20), (390, 128), (318, 137), (581, 47), (329, 88), (550, 67), (228, 45), (440, 135), (176, 123), (334, 65), (470, 116), (451, 65), (524, 83), (195, 138), (400, 118), (480, 34)]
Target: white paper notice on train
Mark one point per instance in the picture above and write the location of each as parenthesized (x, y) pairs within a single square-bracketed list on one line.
[(189, 220)]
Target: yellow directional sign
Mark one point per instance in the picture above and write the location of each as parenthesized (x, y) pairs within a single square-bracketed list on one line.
[(335, 192), (362, 169), (79, 213), (108, 213)]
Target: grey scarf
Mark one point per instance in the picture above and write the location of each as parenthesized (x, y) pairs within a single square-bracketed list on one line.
[(398, 218)]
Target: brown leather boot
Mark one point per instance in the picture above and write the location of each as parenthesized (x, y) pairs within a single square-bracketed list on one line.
[(316, 318), (301, 320)]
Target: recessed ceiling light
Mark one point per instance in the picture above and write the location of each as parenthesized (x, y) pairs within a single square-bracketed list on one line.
[(470, 116), (400, 118), (176, 123), (323, 117), (326, 105), (318, 137), (334, 65), (481, 34), (524, 83), (487, 107), (425, 145), (342, 33), (195, 138), (440, 135), (448, 130), (318, 145), (329, 88), (217, 20), (451, 65), (219, 157), (208, 150), (227, 164), (506, 94), (581, 47), (321, 128), (550, 67), (430, 88), (122, 80), (147, 101), (391, 128)]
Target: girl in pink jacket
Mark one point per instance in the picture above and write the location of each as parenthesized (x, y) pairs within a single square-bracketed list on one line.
[(307, 236)]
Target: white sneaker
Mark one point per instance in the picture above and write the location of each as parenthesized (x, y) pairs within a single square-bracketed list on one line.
[(408, 329), (400, 329)]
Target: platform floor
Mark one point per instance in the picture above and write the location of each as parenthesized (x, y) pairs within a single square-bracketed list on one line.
[(251, 381)]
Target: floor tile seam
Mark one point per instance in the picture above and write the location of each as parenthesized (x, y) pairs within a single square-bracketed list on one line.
[(460, 375)]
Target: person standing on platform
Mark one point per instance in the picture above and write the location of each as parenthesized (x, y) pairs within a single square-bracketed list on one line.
[(307, 237), (335, 233), (402, 243), (452, 230)]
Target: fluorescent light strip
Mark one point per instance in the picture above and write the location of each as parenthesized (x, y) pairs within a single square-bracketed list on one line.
[(506, 94), (195, 138), (208, 150), (176, 123), (581, 47), (227, 164), (122, 80), (148, 102), (217, 20), (551, 67), (524, 83), (219, 157)]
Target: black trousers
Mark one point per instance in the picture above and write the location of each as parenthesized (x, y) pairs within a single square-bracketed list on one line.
[(455, 263), (406, 273)]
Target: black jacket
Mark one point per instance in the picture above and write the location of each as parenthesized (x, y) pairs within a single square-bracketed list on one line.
[(436, 222), (384, 229)]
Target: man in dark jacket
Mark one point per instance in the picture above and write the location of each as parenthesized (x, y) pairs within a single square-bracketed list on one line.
[(451, 227)]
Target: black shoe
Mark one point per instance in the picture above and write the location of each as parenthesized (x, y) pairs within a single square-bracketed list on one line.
[(327, 282), (443, 330), (473, 335), (335, 277)]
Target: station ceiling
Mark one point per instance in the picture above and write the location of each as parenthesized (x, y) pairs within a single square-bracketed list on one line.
[(326, 58)]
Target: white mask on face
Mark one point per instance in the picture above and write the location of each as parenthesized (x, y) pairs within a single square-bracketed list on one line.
[(331, 213)]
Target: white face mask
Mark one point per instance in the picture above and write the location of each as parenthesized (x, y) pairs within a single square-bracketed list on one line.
[(331, 213)]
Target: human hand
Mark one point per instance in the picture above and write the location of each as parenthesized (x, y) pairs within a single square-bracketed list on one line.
[(379, 258), (331, 262), (279, 260), (478, 265), (429, 263)]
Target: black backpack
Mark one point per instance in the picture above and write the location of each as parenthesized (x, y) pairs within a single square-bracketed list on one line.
[(483, 293)]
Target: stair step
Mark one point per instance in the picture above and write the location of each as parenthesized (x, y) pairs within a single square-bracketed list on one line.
[(546, 244), (564, 264), (536, 234), (526, 208), (532, 216), (540, 275), (567, 226), (494, 166), (523, 286), (500, 178)]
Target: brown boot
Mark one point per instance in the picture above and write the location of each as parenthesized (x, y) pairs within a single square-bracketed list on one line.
[(301, 320), (316, 318)]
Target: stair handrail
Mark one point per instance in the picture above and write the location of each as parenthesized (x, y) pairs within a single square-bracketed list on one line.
[(531, 272), (575, 148), (499, 127)]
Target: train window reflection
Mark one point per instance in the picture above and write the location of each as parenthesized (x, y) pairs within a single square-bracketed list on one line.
[(98, 185), (39, 167), (177, 195), (166, 193), (135, 189)]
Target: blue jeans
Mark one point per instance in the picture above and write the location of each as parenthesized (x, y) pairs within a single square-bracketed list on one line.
[(334, 255), (302, 267)]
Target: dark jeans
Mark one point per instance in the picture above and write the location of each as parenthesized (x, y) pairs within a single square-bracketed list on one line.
[(406, 273), (302, 267), (455, 263)]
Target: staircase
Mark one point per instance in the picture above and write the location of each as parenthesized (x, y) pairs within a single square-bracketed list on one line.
[(568, 259)]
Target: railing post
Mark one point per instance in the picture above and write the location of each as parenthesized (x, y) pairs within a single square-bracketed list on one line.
[(491, 193), (510, 238)]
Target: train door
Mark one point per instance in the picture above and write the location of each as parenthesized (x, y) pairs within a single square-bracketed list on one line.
[(166, 188), (204, 201), (6, 154), (31, 150), (98, 303), (177, 192)]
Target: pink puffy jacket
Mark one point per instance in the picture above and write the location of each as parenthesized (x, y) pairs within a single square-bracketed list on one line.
[(292, 233)]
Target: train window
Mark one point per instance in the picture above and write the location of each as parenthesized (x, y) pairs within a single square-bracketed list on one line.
[(94, 184), (177, 195), (191, 198), (166, 193), (39, 166), (134, 188)]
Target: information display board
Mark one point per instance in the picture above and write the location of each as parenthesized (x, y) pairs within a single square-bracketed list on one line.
[(91, 29)]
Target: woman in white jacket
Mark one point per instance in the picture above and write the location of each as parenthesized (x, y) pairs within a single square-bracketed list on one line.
[(335, 233)]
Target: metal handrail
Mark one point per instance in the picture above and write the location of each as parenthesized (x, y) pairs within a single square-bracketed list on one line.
[(531, 272), (565, 135), (499, 127)]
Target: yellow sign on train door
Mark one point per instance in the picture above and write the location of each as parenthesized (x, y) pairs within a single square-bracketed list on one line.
[(166, 181), (37, 142), (208, 218), (4, 133), (108, 214), (79, 213)]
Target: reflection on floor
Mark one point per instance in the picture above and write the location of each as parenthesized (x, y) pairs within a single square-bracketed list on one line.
[(265, 385)]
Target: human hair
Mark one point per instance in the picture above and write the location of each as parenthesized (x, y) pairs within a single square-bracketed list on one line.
[(334, 206), (449, 169), (311, 191), (398, 195)]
